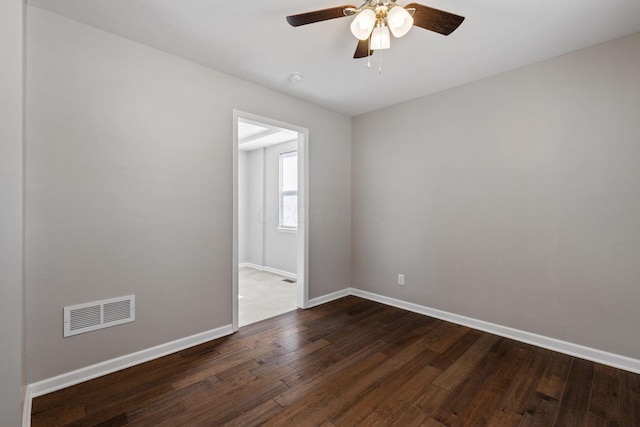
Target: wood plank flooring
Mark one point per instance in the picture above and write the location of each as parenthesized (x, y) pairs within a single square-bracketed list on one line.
[(353, 362)]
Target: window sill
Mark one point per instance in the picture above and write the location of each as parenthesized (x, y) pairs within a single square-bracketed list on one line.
[(287, 230)]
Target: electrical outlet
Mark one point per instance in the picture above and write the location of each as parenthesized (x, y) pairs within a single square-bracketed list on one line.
[(401, 279)]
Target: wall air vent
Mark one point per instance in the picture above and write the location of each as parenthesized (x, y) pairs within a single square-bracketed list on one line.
[(99, 314)]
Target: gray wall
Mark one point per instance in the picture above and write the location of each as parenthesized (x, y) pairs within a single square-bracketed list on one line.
[(258, 189), (243, 206), (280, 247), (255, 206), (513, 199), (11, 291), (129, 190)]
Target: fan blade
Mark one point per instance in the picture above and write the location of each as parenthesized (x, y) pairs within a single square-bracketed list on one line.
[(317, 15), (435, 20), (362, 49)]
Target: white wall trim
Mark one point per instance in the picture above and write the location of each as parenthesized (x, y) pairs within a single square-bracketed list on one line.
[(103, 368), (280, 272), (588, 353), (26, 407), (269, 269), (250, 265), (329, 297), (287, 230)]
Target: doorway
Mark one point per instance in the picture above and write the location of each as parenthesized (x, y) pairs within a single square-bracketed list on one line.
[(270, 218)]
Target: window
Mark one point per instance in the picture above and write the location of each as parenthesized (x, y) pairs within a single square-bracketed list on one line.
[(289, 190)]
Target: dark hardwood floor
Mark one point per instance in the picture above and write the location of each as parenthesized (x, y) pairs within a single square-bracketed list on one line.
[(353, 362)]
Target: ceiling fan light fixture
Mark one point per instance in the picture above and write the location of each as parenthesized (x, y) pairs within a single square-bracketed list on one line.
[(363, 23), (380, 38), (376, 20), (399, 20)]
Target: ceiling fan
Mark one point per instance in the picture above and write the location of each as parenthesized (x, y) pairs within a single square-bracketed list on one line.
[(374, 19)]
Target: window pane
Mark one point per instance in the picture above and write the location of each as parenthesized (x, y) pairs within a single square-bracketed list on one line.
[(290, 211), (289, 172)]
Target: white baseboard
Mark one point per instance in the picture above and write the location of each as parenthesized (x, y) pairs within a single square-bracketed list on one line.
[(103, 368), (250, 265), (288, 274), (588, 353), (329, 297), (269, 269)]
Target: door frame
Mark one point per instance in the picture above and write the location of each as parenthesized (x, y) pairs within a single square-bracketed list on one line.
[(303, 210)]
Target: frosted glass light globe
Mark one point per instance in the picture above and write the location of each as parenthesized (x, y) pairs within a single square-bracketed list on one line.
[(363, 24), (400, 21), (380, 38)]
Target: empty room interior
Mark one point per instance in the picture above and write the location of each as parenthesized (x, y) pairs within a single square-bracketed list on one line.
[(267, 221), (216, 213)]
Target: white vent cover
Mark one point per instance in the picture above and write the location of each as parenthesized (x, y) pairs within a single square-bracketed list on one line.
[(99, 314)]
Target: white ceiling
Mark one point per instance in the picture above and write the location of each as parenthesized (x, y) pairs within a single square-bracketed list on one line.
[(251, 40), (253, 135)]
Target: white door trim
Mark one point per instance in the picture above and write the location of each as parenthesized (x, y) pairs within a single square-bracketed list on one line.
[(303, 210)]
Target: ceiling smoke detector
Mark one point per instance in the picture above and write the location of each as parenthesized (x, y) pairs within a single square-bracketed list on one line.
[(295, 77)]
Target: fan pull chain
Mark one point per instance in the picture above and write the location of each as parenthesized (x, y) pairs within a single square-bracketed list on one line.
[(368, 52), (380, 66)]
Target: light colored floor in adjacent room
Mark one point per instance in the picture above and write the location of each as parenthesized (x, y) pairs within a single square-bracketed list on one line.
[(263, 295)]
